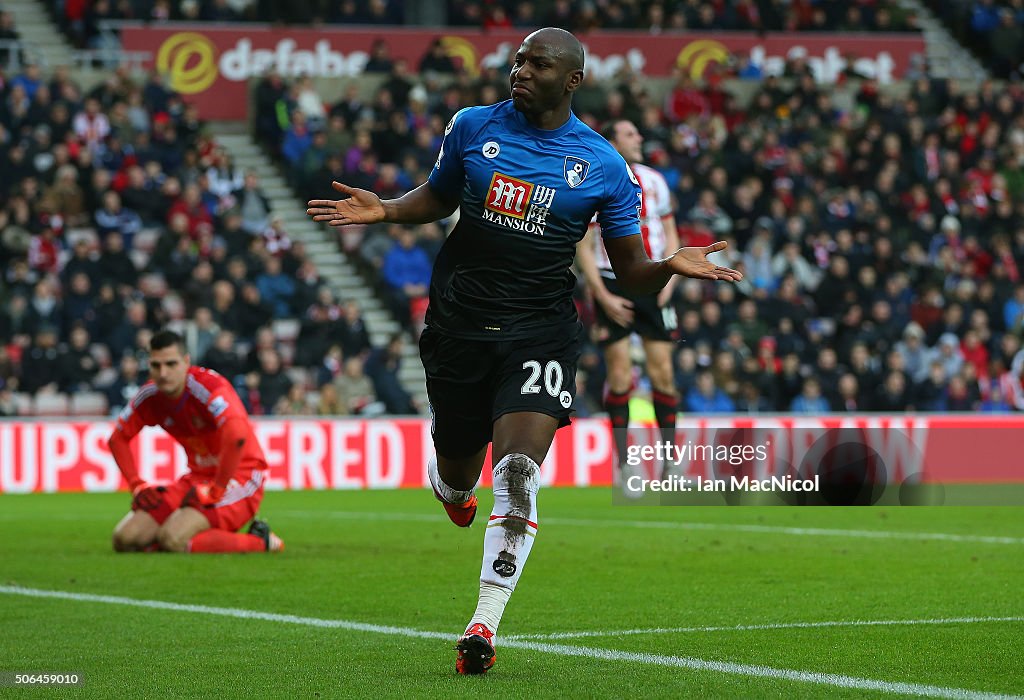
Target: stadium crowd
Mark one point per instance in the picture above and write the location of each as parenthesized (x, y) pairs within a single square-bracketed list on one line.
[(83, 19), (119, 214), (992, 29), (882, 244)]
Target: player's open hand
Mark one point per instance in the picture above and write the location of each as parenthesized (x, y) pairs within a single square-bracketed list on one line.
[(619, 309), (362, 207), (693, 262)]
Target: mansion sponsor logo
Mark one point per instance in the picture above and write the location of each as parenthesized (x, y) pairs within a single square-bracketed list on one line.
[(517, 204)]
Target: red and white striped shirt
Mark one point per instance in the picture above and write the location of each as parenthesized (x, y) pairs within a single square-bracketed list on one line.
[(655, 204)]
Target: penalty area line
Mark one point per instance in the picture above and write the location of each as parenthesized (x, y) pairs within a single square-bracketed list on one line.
[(726, 667)]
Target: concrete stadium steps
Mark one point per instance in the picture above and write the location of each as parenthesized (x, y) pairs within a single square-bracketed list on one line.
[(323, 249), (39, 32), (946, 57)]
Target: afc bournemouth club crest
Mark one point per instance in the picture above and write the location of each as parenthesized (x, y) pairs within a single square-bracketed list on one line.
[(575, 170)]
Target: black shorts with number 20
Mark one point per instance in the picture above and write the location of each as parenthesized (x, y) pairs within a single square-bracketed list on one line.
[(472, 383), (650, 321)]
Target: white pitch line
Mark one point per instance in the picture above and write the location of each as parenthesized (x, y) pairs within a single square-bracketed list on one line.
[(678, 525), (738, 669), (772, 626)]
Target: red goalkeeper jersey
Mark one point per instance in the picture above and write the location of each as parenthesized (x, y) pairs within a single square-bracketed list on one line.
[(194, 419)]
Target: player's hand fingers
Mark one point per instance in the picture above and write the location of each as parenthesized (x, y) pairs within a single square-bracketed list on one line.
[(320, 204), (325, 217), (715, 247), (343, 188)]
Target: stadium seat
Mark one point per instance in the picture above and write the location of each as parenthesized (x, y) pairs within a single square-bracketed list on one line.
[(145, 240), (88, 403), (174, 306), (100, 353), (76, 234), (287, 351), (286, 330), (22, 403), (300, 376), (50, 405)]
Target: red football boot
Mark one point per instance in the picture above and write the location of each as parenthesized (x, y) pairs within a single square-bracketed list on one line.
[(461, 514), (476, 650)]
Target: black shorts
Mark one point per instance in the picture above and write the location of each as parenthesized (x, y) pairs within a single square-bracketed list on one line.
[(472, 383), (649, 320)]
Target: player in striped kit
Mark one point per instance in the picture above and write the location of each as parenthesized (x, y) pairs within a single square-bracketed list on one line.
[(649, 315)]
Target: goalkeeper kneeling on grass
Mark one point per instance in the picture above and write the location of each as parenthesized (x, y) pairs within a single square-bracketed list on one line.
[(203, 510)]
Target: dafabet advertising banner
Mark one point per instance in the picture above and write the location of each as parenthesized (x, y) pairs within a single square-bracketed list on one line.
[(211, 65)]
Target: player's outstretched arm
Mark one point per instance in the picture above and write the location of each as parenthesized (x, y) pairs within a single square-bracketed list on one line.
[(420, 206), (638, 274)]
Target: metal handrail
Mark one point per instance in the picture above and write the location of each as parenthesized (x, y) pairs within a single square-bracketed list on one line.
[(16, 48)]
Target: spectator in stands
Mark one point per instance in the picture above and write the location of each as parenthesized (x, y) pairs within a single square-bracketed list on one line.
[(40, 370), (810, 399), (355, 336), (406, 271), (115, 264), (383, 367), (222, 357), (142, 195), (380, 57), (437, 60), (76, 367), (294, 403), (253, 205), (297, 140), (253, 312), (114, 218), (83, 260), (328, 403), (705, 397), (355, 390), (122, 338), (276, 288), (44, 252), (892, 396), (274, 384), (91, 124), (198, 292), (66, 197), (45, 309), (79, 304), (200, 332), (190, 204)]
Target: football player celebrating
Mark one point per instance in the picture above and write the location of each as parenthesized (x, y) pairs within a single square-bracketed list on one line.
[(502, 335), (204, 509), (620, 314)]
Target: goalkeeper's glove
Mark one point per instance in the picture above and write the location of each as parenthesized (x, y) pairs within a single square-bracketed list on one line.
[(146, 496), (205, 495)]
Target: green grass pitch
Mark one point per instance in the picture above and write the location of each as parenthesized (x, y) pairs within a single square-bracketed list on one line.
[(391, 558)]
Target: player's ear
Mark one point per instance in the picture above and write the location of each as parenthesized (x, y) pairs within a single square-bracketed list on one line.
[(574, 81)]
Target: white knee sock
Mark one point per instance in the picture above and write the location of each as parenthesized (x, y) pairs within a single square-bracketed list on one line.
[(446, 492), (509, 535)]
